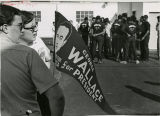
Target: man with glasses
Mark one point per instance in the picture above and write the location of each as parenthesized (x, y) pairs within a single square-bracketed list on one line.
[(23, 73), (29, 38)]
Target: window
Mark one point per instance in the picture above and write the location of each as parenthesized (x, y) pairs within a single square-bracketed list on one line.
[(37, 15), (80, 15)]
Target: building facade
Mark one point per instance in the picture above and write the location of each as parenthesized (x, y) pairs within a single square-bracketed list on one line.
[(76, 11), (151, 9)]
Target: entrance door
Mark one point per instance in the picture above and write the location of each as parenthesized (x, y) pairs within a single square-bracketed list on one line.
[(153, 32)]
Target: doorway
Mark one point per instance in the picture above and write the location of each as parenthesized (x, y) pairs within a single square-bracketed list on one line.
[(153, 32)]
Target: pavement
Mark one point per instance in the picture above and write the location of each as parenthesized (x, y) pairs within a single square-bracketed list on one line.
[(128, 88)]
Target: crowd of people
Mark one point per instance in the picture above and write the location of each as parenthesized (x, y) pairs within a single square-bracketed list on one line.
[(120, 40)]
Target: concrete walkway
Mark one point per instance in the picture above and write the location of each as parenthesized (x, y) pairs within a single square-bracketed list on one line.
[(129, 89)]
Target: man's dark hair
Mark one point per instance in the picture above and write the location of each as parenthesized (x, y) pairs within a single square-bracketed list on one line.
[(86, 18), (119, 16), (7, 14), (106, 20), (27, 17), (142, 18), (93, 18), (124, 15), (145, 16), (98, 17)]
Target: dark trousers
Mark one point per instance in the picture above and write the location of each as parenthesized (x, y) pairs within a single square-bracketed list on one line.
[(132, 48), (144, 48), (125, 44), (44, 105), (107, 46), (91, 44), (117, 45), (113, 46), (100, 41), (85, 38)]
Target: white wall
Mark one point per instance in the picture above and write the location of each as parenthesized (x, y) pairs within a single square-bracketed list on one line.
[(143, 9), (138, 7), (151, 7), (128, 7), (69, 9), (124, 7), (147, 8)]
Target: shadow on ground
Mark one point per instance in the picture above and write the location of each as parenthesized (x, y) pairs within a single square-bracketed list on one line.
[(144, 93)]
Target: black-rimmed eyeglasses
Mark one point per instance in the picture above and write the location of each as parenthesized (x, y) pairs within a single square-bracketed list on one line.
[(33, 28)]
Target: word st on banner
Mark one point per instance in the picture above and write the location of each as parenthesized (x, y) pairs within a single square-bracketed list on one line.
[(73, 58)]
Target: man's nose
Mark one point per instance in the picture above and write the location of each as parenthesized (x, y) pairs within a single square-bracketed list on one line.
[(22, 30), (36, 29)]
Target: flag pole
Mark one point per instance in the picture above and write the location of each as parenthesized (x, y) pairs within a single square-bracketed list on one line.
[(56, 7), (57, 73)]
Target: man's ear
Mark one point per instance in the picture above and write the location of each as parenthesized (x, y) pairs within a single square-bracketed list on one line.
[(0, 28), (4, 28)]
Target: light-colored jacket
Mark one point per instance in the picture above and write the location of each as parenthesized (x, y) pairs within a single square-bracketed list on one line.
[(42, 50)]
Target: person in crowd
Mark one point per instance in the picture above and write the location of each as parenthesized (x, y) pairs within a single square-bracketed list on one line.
[(117, 38), (137, 22), (23, 72), (145, 36), (29, 38), (125, 40), (131, 31), (102, 19), (113, 39), (93, 20), (90, 34), (98, 31), (158, 34), (107, 38), (77, 25), (139, 28), (84, 30)]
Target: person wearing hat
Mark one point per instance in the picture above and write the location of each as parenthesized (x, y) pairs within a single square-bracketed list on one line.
[(158, 34), (84, 30), (131, 31), (97, 31)]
